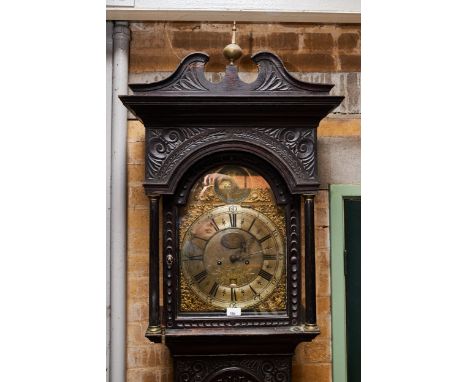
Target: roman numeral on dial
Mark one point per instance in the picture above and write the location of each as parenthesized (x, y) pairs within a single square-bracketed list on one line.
[(270, 257), (215, 226), (200, 276), (251, 224), (264, 238), (214, 289), (233, 220), (233, 294), (267, 276), (196, 257), (193, 239), (252, 289)]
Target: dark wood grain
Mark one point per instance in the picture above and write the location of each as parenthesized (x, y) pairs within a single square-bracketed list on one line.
[(253, 340)]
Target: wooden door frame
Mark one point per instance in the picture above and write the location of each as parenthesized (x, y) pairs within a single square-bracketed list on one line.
[(338, 193)]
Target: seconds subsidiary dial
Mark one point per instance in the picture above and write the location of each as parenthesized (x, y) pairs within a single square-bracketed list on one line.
[(233, 257)]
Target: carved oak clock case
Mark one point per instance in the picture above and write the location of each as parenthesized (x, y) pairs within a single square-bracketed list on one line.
[(230, 169)]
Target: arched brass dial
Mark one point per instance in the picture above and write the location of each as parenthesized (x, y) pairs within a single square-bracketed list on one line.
[(233, 256)]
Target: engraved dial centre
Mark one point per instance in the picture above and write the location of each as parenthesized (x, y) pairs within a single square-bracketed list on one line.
[(240, 255)]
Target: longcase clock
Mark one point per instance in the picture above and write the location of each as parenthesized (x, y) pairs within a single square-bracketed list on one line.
[(230, 168)]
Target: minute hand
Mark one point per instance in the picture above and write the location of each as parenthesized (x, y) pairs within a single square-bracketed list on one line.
[(254, 253)]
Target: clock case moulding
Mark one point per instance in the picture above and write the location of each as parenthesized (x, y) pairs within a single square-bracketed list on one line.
[(193, 124)]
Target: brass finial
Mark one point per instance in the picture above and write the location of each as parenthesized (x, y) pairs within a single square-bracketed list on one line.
[(232, 51), (234, 29)]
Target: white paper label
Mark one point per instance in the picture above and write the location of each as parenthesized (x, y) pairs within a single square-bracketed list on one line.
[(233, 312)]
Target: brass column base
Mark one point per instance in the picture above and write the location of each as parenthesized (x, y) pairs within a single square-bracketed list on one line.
[(153, 330), (311, 328)]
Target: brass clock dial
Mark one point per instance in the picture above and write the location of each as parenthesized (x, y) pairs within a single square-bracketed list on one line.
[(233, 256)]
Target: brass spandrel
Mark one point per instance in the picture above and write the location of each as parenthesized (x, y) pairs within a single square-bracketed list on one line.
[(193, 213), (276, 302), (259, 195), (190, 302)]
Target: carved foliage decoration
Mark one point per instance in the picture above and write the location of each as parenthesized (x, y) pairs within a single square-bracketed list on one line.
[(189, 76), (161, 143), (167, 148), (300, 142), (232, 375), (273, 83), (233, 369), (272, 76), (188, 81)]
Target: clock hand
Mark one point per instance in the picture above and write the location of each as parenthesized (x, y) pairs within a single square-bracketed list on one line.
[(237, 257), (244, 247), (247, 256), (256, 252)]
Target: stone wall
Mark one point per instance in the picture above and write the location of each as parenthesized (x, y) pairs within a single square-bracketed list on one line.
[(315, 51), (302, 47)]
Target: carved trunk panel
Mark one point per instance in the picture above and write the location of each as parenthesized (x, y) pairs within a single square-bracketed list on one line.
[(230, 368)]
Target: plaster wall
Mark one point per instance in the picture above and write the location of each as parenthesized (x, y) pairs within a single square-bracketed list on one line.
[(339, 159)]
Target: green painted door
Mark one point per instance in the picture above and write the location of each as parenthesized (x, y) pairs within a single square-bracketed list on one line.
[(352, 228)]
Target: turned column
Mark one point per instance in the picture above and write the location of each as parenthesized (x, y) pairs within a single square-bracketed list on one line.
[(309, 242), (154, 315)]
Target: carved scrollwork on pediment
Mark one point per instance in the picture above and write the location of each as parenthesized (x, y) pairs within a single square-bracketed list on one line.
[(190, 77), (189, 81), (273, 76), (273, 83)]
